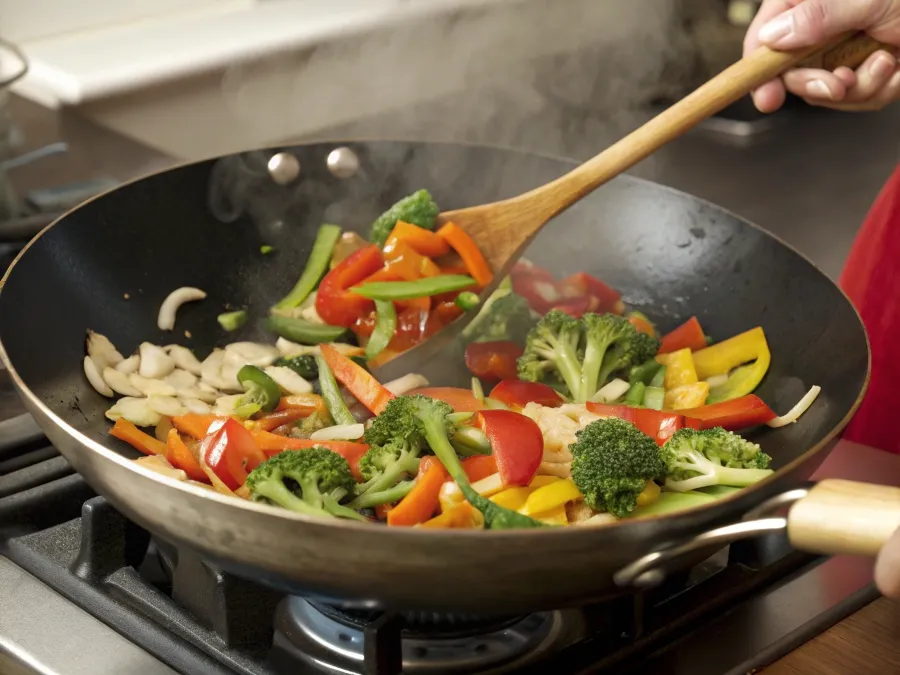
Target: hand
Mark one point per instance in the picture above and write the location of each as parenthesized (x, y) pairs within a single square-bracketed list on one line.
[(793, 24), (887, 568)]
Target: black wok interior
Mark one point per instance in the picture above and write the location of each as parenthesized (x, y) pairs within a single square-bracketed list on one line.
[(108, 265)]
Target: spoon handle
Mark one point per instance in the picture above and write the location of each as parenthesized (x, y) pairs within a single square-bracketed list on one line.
[(730, 85)]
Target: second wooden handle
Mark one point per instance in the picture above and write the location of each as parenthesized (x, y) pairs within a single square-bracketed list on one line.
[(844, 517)]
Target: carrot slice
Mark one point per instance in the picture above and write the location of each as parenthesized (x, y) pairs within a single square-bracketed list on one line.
[(305, 403), (468, 250), (422, 501), (182, 458), (280, 418), (357, 379), (420, 240), (128, 432)]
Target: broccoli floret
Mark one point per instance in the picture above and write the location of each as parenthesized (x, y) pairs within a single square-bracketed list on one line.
[(310, 425), (311, 482), (504, 316), (304, 365), (631, 349), (612, 462), (552, 352), (383, 467), (601, 331), (699, 459), (430, 420), (418, 209)]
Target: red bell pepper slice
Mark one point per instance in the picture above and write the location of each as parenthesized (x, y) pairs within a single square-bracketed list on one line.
[(272, 444), (357, 379), (230, 451), (577, 307), (461, 400), (493, 360), (517, 444), (657, 424), (518, 394), (479, 466), (334, 302), (582, 284), (688, 335), (536, 285), (423, 500), (739, 413)]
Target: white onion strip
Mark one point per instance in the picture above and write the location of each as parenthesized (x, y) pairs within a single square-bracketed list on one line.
[(405, 384), (175, 299), (340, 432), (92, 373), (794, 413)]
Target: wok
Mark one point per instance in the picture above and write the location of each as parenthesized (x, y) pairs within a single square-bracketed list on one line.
[(108, 264)]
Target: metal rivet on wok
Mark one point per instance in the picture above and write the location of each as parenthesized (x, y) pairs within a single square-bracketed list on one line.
[(284, 168), (342, 163)]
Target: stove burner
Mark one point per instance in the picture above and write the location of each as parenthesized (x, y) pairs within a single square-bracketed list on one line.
[(338, 641)]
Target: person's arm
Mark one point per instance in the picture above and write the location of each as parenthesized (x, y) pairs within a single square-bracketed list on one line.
[(792, 24)]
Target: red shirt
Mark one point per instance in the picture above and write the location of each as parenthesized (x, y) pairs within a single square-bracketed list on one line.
[(871, 278)]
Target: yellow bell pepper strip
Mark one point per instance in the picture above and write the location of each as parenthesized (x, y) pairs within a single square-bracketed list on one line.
[(555, 516), (728, 357), (463, 516), (128, 432), (513, 498), (686, 396), (649, 494), (549, 497), (541, 481), (680, 368)]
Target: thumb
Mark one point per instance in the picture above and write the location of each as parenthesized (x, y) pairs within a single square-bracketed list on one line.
[(812, 22)]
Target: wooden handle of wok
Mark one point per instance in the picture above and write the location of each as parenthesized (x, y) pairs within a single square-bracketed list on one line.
[(844, 517), (730, 85)]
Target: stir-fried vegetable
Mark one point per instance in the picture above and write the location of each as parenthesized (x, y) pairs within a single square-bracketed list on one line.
[(300, 330), (417, 209), (385, 325), (231, 321), (407, 290), (316, 266), (337, 408)]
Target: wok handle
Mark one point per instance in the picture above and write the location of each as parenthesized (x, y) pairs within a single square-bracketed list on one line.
[(841, 517)]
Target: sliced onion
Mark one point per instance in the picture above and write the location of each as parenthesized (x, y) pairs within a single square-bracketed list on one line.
[(101, 350), (405, 384), (288, 380), (340, 432), (251, 353), (195, 406), (129, 365), (180, 379), (184, 358), (155, 362), (92, 373), (225, 405), (150, 387), (290, 349), (169, 307), (211, 372), (161, 465), (794, 413), (611, 392), (169, 406), (135, 410), (198, 393), (119, 382)]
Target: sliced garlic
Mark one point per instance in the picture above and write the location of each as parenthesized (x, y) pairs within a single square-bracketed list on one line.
[(181, 379), (135, 410), (166, 405), (155, 362), (198, 394), (340, 432), (225, 405), (211, 372), (184, 358), (150, 387), (92, 373), (288, 380), (290, 349), (405, 384), (169, 307), (120, 383), (129, 365), (251, 353), (102, 352), (196, 406)]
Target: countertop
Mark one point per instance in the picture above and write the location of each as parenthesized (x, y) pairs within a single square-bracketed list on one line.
[(815, 208)]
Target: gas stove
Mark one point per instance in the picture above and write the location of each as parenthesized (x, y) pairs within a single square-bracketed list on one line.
[(84, 590)]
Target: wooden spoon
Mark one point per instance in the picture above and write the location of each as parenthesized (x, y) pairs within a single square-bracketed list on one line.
[(504, 229)]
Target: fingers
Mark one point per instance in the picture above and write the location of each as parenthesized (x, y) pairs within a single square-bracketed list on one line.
[(770, 96), (887, 567), (814, 84), (885, 96), (810, 22), (875, 84)]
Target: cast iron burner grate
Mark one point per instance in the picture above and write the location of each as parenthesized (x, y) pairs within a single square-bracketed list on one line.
[(199, 620)]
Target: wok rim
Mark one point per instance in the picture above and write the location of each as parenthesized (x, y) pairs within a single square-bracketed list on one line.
[(400, 534)]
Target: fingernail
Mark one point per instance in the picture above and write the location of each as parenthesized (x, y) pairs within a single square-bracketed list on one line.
[(778, 28), (818, 89), (882, 66)]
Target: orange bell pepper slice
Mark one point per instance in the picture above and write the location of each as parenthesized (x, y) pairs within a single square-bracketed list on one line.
[(463, 516), (272, 444), (273, 420), (306, 403), (195, 425), (357, 379), (180, 456), (422, 501), (420, 240), (468, 250), (128, 432), (479, 466)]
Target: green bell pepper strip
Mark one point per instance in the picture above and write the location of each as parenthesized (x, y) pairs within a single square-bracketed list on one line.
[(644, 372), (635, 395), (332, 394), (385, 325), (407, 290), (232, 320), (467, 300), (654, 398), (316, 266), (303, 331), (262, 392)]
